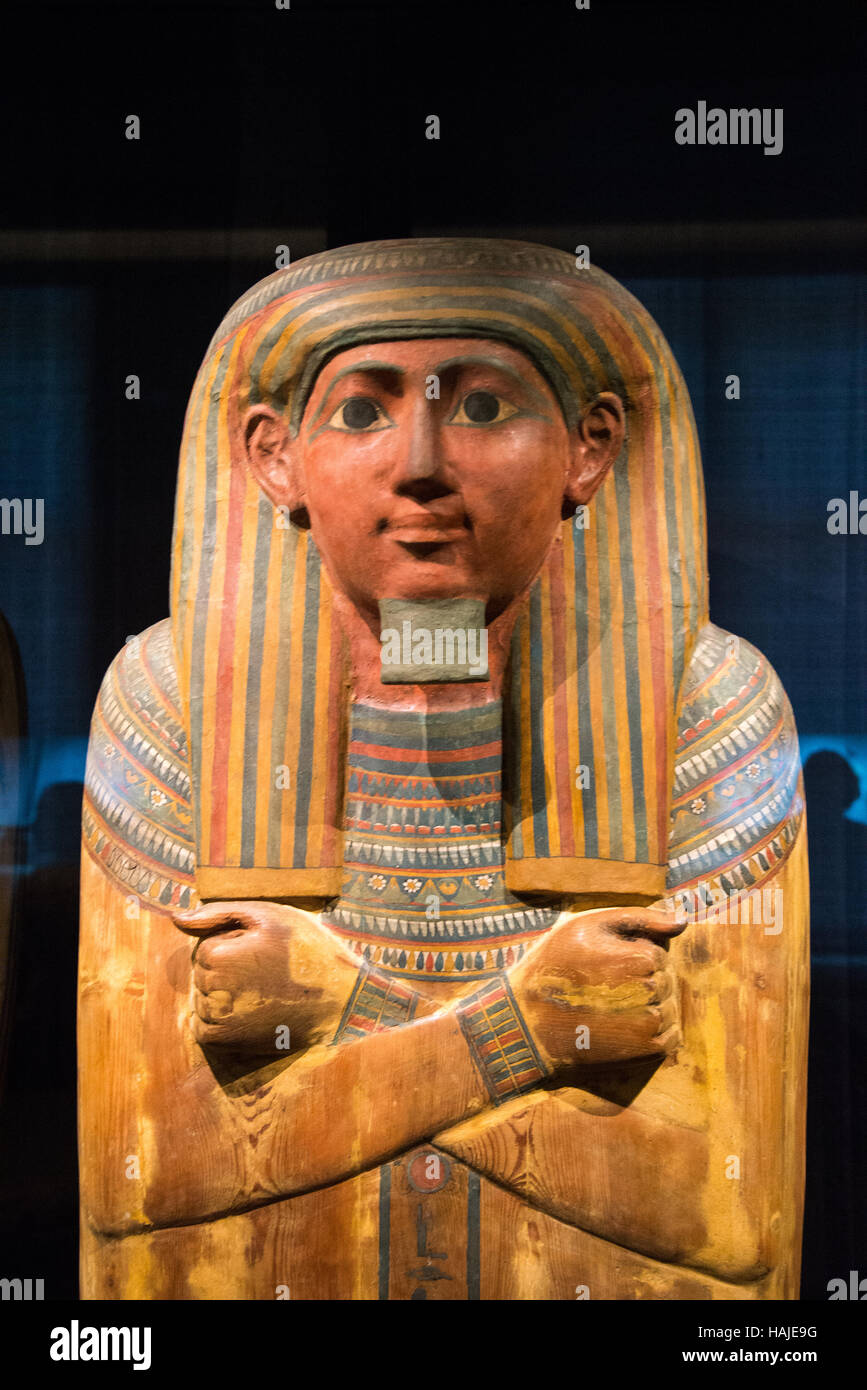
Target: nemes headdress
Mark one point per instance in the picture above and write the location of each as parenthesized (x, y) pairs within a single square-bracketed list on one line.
[(605, 633)]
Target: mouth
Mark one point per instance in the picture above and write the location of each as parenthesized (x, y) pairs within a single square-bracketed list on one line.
[(426, 528)]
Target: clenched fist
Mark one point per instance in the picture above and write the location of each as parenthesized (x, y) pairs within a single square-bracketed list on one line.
[(260, 967), (605, 973)]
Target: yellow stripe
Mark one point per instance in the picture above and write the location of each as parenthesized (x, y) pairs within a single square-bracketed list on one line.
[(619, 692), (216, 881), (598, 680), (240, 664), (525, 808), (698, 516), (646, 601), (561, 875), (293, 714), (191, 424), (640, 525), (215, 616), (265, 770), (185, 613), (185, 617), (555, 767), (300, 320), (594, 679), (572, 683), (320, 721), (680, 446)]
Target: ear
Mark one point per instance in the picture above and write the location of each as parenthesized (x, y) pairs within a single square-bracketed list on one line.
[(596, 442), (270, 458)]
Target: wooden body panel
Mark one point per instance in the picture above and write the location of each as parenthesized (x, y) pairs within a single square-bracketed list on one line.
[(736, 1088), (324, 1246)]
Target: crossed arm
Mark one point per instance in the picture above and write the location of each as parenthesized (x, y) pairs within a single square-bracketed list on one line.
[(218, 1140)]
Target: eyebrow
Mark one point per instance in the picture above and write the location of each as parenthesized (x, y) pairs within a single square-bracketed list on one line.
[(375, 368), (479, 360)]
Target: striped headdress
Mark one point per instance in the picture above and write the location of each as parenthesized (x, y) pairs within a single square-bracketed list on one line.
[(605, 633)]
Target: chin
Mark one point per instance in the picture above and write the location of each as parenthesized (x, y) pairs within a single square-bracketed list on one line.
[(436, 575), (419, 589)]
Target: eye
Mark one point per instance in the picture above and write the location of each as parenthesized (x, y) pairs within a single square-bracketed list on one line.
[(483, 408), (359, 414)]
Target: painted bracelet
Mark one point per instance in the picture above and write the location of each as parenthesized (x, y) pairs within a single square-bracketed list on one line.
[(376, 1004), (499, 1041)]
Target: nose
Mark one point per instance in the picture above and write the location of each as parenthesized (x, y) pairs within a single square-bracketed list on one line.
[(420, 469)]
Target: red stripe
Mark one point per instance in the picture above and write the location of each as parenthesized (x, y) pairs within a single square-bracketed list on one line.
[(425, 276), (636, 367), (428, 756), (333, 796), (229, 614), (731, 768)]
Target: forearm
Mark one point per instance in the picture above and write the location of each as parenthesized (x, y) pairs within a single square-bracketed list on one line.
[(334, 1111), (342, 1109), (636, 1179)]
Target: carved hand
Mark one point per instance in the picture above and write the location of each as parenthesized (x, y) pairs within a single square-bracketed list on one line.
[(598, 988), (260, 967)]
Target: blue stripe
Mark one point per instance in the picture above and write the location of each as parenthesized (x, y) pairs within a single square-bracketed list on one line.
[(538, 793), (474, 1231), (308, 707), (384, 1230), (430, 768), (264, 527), (207, 543), (589, 800)]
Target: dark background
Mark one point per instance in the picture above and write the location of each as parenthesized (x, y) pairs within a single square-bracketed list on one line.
[(307, 127)]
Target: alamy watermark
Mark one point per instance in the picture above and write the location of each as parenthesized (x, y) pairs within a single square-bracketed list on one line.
[(77, 1343), (23, 516), (853, 1288), (432, 640), (737, 126), (441, 646), (848, 517), (22, 1290)]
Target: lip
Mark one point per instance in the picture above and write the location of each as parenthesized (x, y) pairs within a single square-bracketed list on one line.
[(410, 533), (423, 525)]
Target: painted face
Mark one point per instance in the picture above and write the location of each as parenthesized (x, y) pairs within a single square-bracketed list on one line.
[(433, 469)]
